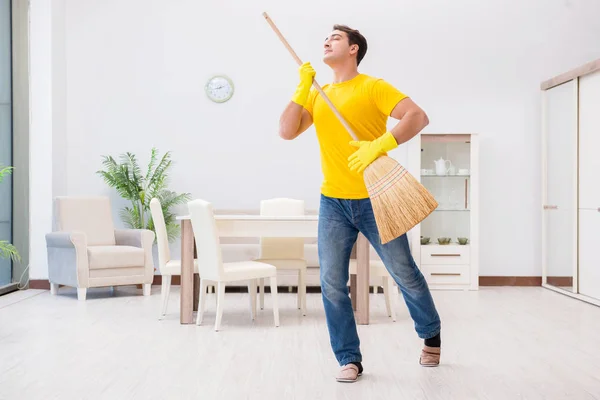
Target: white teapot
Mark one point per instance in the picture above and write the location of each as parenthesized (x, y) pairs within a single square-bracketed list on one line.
[(440, 166)]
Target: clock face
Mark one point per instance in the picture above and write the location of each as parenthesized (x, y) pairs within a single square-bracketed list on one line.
[(219, 89)]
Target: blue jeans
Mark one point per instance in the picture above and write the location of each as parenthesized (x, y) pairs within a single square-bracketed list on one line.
[(340, 221)]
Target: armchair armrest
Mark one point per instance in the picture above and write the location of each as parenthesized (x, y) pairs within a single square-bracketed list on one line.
[(143, 238), (65, 239), (67, 258), (134, 237)]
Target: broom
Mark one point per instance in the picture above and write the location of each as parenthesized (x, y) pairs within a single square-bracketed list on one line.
[(399, 201)]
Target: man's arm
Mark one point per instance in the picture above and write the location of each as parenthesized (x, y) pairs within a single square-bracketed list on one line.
[(294, 120), (412, 120)]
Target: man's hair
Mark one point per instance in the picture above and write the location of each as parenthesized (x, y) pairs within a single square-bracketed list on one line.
[(354, 37)]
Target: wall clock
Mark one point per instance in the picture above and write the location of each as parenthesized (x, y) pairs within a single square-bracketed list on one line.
[(219, 88)]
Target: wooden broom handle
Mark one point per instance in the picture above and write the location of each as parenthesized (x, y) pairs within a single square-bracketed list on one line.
[(315, 84)]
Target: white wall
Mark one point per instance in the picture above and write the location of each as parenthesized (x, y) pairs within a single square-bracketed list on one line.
[(59, 98), (134, 72)]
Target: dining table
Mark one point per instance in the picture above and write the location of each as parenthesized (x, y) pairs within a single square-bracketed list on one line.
[(256, 226)]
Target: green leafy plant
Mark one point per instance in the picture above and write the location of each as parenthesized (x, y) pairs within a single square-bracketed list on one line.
[(7, 250), (127, 178)]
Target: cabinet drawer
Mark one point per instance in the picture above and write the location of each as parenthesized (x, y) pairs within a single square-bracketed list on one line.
[(448, 254), (446, 274)]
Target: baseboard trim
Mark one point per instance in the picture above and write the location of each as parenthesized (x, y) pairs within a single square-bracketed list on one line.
[(39, 284), (560, 281), (510, 281), (483, 281)]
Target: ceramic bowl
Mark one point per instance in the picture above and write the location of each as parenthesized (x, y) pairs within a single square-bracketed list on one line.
[(444, 240), (424, 240), (463, 240)]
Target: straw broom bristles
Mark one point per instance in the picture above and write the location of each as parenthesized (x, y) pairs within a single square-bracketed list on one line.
[(399, 201)]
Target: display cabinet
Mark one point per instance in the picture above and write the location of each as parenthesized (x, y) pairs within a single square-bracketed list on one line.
[(446, 244)]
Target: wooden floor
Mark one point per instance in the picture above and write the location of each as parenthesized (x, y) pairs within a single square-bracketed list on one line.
[(498, 343)]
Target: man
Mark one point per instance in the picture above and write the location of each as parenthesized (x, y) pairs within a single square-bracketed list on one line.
[(345, 208)]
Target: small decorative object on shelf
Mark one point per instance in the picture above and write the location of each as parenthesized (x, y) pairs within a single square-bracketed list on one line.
[(440, 167), (444, 240), (448, 166)]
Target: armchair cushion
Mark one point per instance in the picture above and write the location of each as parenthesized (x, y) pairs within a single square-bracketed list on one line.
[(105, 257)]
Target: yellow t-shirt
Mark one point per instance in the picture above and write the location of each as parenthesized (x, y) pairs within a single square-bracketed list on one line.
[(365, 103)]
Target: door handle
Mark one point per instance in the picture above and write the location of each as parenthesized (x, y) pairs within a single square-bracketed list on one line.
[(548, 207)]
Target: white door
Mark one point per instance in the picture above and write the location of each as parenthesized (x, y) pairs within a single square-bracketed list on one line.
[(589, 185), (589, 253), (559, 194), (589, 141)]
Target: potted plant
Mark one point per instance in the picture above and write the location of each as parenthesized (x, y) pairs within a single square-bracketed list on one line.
[(7, 250), (127, 178)]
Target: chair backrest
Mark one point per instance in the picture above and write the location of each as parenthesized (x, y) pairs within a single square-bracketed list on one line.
[(90, 215), (208, 246), (281, 248), (162, 238)]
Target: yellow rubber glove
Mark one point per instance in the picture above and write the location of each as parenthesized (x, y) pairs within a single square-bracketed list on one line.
[(369, 151), (307, 73)]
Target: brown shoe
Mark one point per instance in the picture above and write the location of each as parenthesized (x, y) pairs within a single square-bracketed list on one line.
[(430, 356), (348, 373)]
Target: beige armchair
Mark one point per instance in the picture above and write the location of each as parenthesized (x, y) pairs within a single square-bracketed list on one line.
[(87, 251)]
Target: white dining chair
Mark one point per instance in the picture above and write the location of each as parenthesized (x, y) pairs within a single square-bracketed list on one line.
[(390, 292), (284, 253), (167, 267), (212, 269)]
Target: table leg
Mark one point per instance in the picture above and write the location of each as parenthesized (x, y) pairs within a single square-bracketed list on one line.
[(196, 281), (187, 272), (362, 280), (353, 291), (196, 291)]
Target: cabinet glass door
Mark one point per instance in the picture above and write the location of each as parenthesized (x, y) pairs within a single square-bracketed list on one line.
[(559, 196), (445, 172)]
